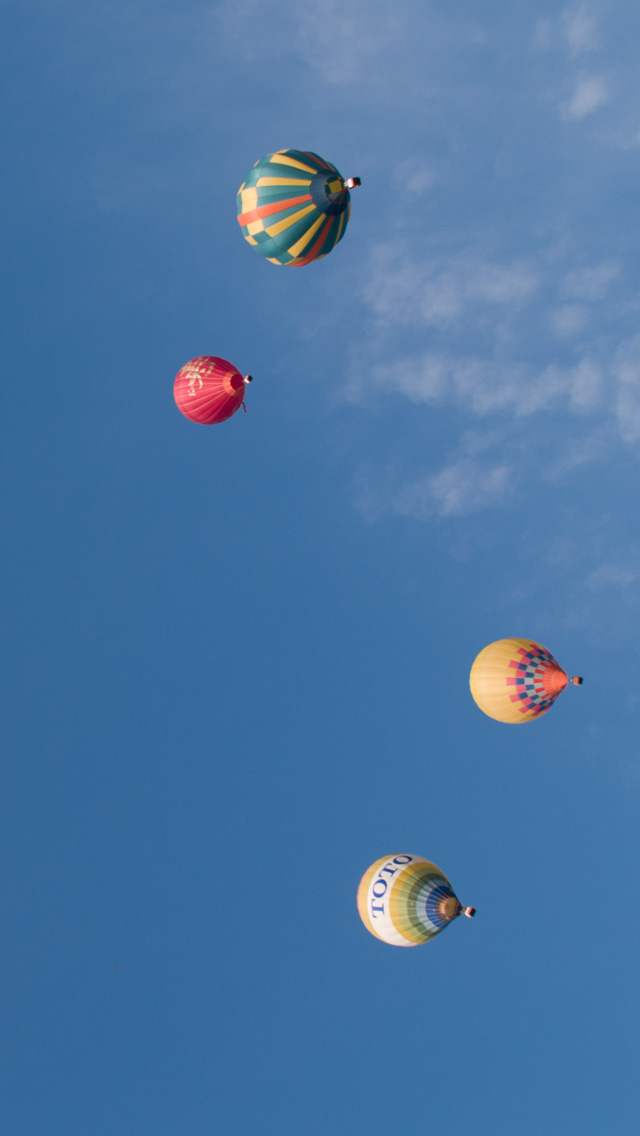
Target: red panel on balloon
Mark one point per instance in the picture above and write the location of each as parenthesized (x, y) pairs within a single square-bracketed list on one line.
[(208, 389)]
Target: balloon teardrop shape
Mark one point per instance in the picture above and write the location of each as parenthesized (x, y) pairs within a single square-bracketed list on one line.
[(517, 680), (294, 207), (406, 900), (209, 389)]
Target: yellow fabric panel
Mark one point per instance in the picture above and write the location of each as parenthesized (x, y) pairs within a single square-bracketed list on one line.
[(249, 199), (280, 226), (296, 249), (255, 227), (282, 181), (281, 160), (251, 240), (397, 900), (362, 895), (340, 227), (335, 186), (488, 681)]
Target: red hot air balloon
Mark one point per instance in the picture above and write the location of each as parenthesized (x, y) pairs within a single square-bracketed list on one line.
[(209, 389)]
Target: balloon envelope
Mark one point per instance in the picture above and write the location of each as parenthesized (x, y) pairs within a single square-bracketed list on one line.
[(293, 207), (209, 389), (406, 900), (516, 680)]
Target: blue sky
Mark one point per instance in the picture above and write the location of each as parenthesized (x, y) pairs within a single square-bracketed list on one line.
[(237, 658)]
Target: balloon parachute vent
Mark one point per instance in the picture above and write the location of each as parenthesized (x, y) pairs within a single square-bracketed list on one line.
[(576, 680), (468, 911), (553, 680), (351, 183)]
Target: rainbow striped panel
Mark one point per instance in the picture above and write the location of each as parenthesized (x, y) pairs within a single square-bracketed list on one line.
[(406, 900), (516, 680), (293, 207)]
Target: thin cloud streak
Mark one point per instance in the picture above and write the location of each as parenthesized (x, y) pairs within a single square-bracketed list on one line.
[(461, 488), (627, 373), (580, 29), (591, 283), (611, 576), (465, 487), (437, 292), (589, 94), (484, 386)]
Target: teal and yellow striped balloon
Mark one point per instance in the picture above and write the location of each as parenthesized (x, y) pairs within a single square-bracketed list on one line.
[(293, 207)]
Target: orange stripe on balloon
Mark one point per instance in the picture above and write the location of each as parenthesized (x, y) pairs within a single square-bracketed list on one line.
[(315, 249), (267, 210)]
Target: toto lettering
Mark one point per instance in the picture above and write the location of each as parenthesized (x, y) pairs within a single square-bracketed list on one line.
[(380, 884)]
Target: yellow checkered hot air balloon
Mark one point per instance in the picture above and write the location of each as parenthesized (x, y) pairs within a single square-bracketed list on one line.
[(517, 680)]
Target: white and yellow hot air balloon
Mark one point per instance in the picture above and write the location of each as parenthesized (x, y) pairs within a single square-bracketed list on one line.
[(406, 900), (517, 680)]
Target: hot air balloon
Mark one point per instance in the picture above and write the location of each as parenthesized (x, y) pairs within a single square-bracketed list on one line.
[(517, 680), (293, 207), (209, 389), (405, 900)]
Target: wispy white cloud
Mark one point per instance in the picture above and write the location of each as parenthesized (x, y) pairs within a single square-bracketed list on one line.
[(569, 320), (483, 386), (580, 452), (437, 292), (612, 576), (479, 298), (460, 488), (500, 283), (340, 40), (543, 35), (574, 30), (580, 29), (627, 372), (498, 307), (413, 177), (584, 383), (589, 94), (591, 283)]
